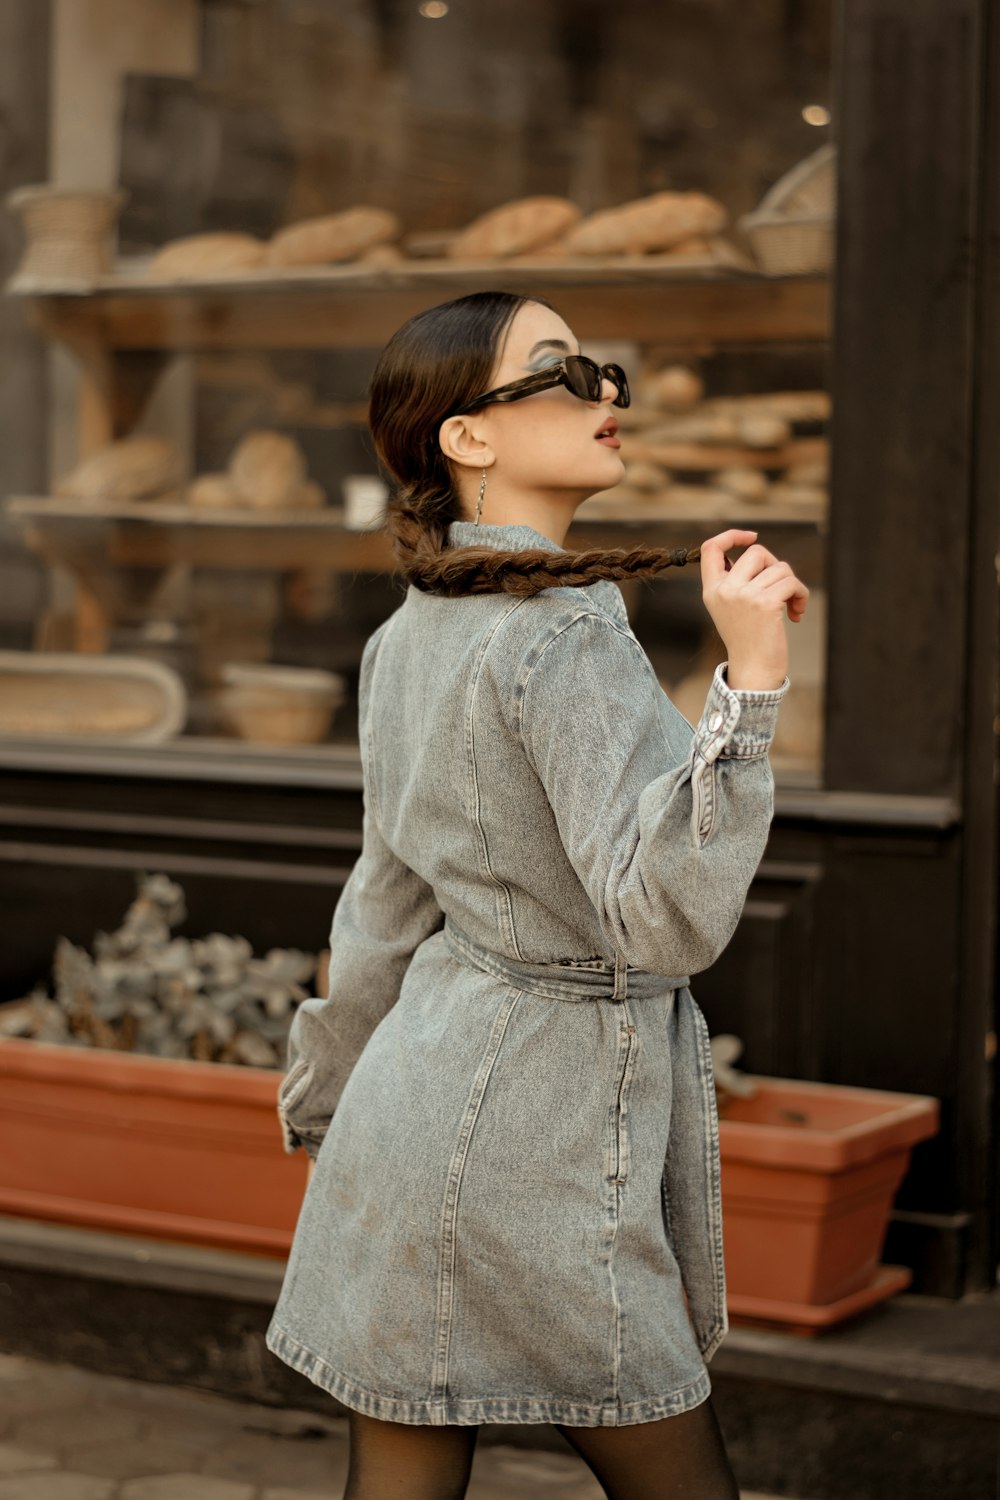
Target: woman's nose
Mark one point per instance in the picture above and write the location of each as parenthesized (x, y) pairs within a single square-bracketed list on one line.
[(609, 390)]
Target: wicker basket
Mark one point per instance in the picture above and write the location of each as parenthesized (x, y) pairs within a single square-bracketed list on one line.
[(792, 230), (46, 695), (70, 237)]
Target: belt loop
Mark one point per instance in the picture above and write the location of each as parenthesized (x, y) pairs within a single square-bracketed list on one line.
[(621, 978)]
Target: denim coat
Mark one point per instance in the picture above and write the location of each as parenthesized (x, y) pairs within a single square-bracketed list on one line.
[(515, 1212)]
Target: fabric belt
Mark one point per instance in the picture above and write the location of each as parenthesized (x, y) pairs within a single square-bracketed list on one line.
[(590, 979)]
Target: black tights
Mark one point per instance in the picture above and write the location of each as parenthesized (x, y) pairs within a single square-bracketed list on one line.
[(676, 1458)]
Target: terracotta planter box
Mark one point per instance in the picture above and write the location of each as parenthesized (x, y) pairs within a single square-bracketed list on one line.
[(177, 1150), (809, 1174)]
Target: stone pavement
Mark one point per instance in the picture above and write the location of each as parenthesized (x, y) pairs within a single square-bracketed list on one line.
[(68, 1434)]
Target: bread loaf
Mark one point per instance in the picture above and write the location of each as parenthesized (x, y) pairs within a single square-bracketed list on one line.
[(332, 237), (743, 484), (382, 255), (217, 492), (551, 254), (763, 430), (310, 496), (267, 471), (674, 389), (645, 476), (138, 468), (212, 492), (655, 223), (693, 427), (514, 228), (206, 255), (696, 248), (792, 406)]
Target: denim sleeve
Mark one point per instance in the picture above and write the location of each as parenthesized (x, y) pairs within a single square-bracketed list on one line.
[(665, 825), (384, 913)]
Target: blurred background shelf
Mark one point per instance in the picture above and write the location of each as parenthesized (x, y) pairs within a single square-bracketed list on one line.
[(341, 307)]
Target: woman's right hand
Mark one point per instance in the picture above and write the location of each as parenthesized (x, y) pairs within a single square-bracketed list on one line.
[(748, 602)]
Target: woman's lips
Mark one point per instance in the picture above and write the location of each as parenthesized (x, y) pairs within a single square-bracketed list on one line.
[(607, 434), (610, 441)]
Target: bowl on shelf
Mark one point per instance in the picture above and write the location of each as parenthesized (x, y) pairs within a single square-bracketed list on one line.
[(279, 705)]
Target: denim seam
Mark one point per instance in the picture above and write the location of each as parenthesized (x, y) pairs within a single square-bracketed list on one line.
[(504, 901), (532, 663), (367, 741), (749, 750), (703, 797), (709, 1337), (475, 1411), (449, 1208), (542, 646)]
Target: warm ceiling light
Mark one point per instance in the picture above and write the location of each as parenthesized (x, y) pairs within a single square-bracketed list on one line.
[(433, 9), (816, 114)]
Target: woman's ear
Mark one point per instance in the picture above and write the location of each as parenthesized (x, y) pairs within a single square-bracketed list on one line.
[(461, 444)]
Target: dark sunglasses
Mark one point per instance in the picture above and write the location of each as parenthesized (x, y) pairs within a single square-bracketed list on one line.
[(576, 372)]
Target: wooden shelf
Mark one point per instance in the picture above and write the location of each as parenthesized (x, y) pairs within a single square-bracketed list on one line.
[(635, 297), (157, 533)]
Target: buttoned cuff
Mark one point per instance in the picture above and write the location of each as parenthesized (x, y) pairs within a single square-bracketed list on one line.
[(737, 723)]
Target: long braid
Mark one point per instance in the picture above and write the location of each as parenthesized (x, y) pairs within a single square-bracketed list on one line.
[(457, 571)]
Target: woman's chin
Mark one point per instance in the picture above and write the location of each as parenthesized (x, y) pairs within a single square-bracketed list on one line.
[(606, 475)]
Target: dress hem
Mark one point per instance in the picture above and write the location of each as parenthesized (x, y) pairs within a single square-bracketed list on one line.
[(459, 1412)]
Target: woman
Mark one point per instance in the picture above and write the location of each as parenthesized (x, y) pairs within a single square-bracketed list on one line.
[(514, 1214)]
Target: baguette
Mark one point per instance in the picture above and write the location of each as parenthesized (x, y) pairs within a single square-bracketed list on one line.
[(332, 237), (658, 222), (515, 228), (138, 468), (790, 406), (206, 255)]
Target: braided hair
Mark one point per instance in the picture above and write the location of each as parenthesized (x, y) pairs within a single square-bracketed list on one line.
[(436, 362)]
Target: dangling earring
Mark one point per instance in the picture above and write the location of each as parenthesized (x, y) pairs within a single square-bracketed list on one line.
[(482, 494)]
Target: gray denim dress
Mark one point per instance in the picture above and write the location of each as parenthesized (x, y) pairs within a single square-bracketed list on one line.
[(515, 1212)]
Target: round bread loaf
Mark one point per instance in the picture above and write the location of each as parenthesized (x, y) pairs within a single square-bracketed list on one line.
[(138, 468), (206, 255), (655, 223), (675, 388), (310, 496), (645, 476), (267, 471), (743, 484), (212, 492), (333, 237), (382, 255), (513, 228)]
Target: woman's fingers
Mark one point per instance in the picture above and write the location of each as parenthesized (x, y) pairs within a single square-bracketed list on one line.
[(756, 568), (713, 552), (792, 592), (753, 562)]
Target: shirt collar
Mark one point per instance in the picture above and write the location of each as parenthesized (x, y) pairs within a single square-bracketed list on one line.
[(503, 538), (520, 538)]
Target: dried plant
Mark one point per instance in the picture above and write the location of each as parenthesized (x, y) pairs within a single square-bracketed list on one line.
[(144, 990)]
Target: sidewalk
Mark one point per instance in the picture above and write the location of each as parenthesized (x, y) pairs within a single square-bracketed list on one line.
[(67, 1434)]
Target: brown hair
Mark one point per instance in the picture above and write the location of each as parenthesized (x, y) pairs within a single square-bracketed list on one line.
[(436, 362)]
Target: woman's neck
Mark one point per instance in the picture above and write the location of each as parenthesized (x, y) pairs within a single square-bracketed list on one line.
[(551, 515)]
